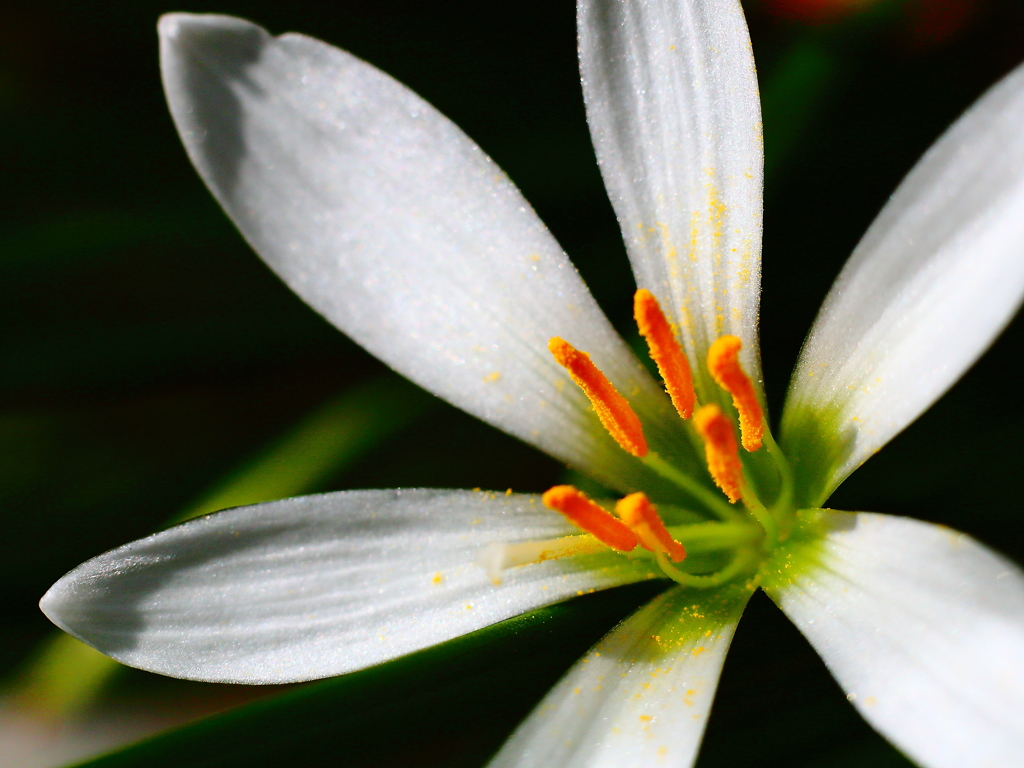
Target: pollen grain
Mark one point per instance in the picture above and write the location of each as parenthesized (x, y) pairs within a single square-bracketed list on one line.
[(720, 448), (724, 365), (612, 409), (590, 517), (666, 351)]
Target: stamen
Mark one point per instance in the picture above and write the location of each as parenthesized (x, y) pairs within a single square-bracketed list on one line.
[(724, 364), (672, 363), (613, 410), (720, 448), (640, 515), (590, 517)]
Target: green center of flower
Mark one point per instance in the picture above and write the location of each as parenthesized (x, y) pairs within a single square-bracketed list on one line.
[(735, 530)]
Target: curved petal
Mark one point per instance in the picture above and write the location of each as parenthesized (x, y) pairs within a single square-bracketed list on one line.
[(642, 695), (936, 277), (674, 112), (923, 628), (318, 585), (389, 221)]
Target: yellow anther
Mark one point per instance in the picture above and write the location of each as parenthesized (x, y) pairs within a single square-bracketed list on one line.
[(720, 448), (642, 518), (613, 410), (587, 515), (724, 365), (665, 351)]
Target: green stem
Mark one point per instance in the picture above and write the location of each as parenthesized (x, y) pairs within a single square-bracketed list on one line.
[(763, 516), (706, 496), (709, 537), (736, 566), (784, 502)]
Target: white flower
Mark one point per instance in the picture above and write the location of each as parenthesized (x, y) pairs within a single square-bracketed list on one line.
[(384, 217)]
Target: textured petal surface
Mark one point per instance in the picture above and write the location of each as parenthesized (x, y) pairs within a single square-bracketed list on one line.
[(388, 220), (642, 696), (673, 107), (923, 628), (318, 585), (936, 277)]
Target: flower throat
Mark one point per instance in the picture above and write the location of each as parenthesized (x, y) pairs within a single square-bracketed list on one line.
[(740, 525)]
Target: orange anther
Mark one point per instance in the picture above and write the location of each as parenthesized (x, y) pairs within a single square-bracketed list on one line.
[(720, 448), (613, 410), (640, 515), (592, 518), (724, 364), (665, 351)]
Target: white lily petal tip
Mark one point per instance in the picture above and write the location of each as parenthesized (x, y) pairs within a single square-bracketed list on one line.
[(211, 31), (47, 607), (333, 170), (168, 26), (173, 26), (54, 605), (299, 589)]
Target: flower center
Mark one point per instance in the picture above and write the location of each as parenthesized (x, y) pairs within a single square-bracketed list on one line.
[(745, 533)]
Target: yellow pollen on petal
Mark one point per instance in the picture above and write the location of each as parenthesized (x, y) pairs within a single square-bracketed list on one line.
[(612, 409), (723, 455), (639, 514), (666, 351), (724, 365), (590, 517)]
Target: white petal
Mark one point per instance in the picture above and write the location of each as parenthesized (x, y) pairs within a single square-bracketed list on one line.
[(936, 277), (641, 697), (924, 629), (318, 585), (387, 219), (673, 107)]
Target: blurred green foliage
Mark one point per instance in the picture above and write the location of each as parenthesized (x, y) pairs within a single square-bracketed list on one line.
[(147, 355)]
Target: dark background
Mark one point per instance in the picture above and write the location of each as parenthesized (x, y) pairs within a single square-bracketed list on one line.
[(146, 352)]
